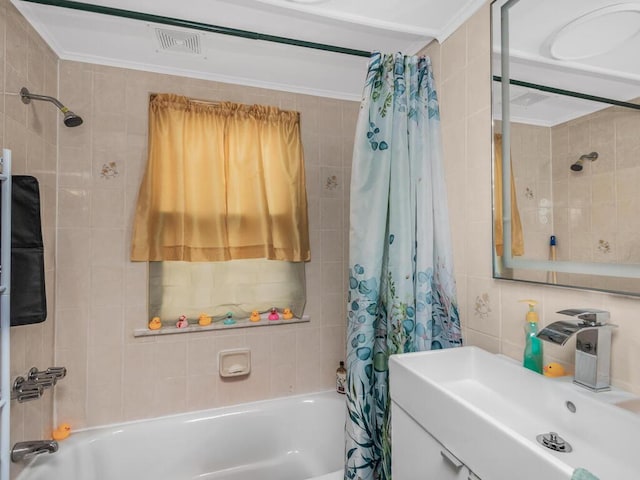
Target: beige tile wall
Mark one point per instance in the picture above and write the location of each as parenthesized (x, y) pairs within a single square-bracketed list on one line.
[(600, 202), (491, 315), (102, 296), (30, 131), (531, 157), (591, 212)]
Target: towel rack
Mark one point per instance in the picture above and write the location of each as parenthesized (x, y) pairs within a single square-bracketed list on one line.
[(5, 317)]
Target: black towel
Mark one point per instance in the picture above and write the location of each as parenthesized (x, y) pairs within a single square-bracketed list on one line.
[(28, 297)]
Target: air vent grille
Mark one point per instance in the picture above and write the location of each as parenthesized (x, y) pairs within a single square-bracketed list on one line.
[(528, 99), (177, 41)]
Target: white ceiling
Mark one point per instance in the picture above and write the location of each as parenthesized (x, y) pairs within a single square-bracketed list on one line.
[(405, 26), (588, 46)]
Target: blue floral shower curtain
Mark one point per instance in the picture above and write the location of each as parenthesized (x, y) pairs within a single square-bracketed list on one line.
[(402, 295)]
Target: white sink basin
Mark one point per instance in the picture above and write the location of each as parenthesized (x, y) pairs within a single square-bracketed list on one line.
[(487, 410)]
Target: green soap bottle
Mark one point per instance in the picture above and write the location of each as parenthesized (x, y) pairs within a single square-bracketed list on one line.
[(532, 358)]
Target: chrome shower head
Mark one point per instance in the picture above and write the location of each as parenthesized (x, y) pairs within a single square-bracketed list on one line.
[(576, 167), (70, 118)]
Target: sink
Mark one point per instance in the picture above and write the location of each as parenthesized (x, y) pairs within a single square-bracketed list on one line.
[(488, 410)]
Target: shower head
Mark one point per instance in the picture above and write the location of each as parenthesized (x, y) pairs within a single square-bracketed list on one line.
[(70, 118), (576, 167)]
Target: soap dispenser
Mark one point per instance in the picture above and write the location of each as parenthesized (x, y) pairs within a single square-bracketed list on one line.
[(532, 358)]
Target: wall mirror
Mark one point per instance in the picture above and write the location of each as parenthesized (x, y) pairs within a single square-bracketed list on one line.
[(566, 138)]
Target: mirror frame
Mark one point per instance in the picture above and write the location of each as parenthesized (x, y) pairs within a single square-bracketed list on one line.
[(505, 263)]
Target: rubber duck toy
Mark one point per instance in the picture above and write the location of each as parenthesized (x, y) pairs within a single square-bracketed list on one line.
[(255, 316), (204, 320), (62, 432), (229, 320), (553, 369), (273, 315), (155, 323), (182, 322), (287, 314)]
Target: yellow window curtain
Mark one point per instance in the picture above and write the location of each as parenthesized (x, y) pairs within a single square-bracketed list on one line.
[(223, 181), (517, 239)]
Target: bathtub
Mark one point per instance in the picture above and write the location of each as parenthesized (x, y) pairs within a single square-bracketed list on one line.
[(290, 438)]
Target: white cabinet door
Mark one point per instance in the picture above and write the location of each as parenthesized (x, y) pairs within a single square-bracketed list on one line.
[(416, 455)]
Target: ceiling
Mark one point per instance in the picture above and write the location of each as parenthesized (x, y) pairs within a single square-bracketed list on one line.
[(369, 25), (588, 46)]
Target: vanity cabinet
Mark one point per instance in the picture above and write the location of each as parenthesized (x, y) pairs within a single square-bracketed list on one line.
[(417, 455)]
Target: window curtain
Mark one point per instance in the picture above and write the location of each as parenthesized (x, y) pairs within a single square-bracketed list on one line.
[(517, 237), (223, 181), (402, 294)]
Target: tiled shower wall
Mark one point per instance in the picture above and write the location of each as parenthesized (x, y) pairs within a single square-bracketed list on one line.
[(531, 160), (102, 296), (491, 315), (30, 131), (599, 204), (593, 212)]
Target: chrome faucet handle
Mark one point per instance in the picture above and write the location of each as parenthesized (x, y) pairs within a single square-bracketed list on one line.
[(589, 316), (58, 372), (24, 390), (44, 379)]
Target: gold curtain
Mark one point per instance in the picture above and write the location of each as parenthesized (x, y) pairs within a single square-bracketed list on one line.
[(517, 239), (223, 181)]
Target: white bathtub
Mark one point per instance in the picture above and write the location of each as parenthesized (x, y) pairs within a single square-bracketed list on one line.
[(291, 438)]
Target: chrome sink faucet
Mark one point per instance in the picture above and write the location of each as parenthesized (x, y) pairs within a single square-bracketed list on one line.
[(593, 345), (26, 450)]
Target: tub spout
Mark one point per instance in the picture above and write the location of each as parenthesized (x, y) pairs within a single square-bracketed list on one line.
[(25, 450)]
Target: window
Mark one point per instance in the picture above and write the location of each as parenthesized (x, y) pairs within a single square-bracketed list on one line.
[(222, 209)]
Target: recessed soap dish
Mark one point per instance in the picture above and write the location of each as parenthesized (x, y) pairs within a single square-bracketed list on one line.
[(234, 363)]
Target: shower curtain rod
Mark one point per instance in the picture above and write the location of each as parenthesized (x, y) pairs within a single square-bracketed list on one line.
[(569, 93), (177, 22)]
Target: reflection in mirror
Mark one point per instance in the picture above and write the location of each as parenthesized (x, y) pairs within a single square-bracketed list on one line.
[(572, 157)]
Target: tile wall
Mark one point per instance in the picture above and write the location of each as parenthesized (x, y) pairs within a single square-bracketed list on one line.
[(592, 212), (101, 295), (491, 315), (599, 203), (531, 157), (30, 131)]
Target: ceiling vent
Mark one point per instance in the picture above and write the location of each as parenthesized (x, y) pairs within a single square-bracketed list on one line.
[(528, 99), (178, 42)]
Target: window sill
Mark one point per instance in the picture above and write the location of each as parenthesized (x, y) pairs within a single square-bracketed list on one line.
[(243, 323)]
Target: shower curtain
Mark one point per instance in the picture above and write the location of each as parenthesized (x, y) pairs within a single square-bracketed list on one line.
[(402, 294)]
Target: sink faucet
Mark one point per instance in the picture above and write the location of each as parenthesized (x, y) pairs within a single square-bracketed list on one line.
[(593, 345), (25, 450)]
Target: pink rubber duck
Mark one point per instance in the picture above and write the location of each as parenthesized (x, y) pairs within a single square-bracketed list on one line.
[(182, 322), (273, 315)]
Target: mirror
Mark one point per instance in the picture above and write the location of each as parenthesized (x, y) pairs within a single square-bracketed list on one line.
[(566, 138)]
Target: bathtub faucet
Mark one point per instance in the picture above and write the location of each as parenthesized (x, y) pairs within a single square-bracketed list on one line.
[(25, 450), (46, 378), (593, 345), (25, 390)]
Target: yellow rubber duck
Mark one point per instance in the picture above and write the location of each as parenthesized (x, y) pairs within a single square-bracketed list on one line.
[(204, 320), (62, 432), (287, 314), (255, 316), (553, 369), (155, 323)]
